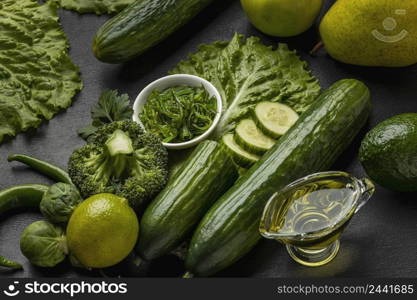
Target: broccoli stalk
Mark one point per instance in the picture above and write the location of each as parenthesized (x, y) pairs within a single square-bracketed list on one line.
[(119, 150), (123, 160)]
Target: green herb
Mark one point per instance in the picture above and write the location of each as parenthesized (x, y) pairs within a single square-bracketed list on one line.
[(246, 72), (111, 107), (179, 114), (37, 77)]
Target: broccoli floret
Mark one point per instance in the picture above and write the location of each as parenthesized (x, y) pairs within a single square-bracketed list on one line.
[(121, 159)]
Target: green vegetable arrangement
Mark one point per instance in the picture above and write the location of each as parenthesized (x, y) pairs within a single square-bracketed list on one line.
[(45, 243), (179, 114), (230, 228), (246, 72), (37, 77), (122, 159), (42, 243)]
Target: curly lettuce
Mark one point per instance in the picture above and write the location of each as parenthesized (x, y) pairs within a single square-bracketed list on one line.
[(94, 6), (37, 77), (245, 72)]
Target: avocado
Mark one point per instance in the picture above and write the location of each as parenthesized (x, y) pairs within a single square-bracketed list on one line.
[(389, 153)]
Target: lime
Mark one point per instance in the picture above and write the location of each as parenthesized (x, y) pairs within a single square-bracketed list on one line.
[(102, 231)]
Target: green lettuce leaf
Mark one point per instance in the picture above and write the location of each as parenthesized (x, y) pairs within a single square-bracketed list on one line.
[(245, 72), (37, 77), (94, 6)]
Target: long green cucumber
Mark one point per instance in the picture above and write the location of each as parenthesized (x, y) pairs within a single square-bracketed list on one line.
[(169, 219), (230, 228), (142, 25)]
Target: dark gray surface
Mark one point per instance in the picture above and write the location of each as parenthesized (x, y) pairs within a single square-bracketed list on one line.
[(380, 242)]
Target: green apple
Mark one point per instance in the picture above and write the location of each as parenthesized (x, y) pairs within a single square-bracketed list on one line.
[(282, 18)]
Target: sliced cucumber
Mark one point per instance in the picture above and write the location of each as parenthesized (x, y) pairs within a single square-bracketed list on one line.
[(274, 119), (251, 138), (240, 155)]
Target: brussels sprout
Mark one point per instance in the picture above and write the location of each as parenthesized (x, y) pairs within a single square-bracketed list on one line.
[(44, 244), (59, 202)]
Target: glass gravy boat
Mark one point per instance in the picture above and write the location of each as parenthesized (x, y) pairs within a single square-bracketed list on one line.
[(310, 214)]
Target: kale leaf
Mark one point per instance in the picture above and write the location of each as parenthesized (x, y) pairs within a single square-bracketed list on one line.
[(37, 77)]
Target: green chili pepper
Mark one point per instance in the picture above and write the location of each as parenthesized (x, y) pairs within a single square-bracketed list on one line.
[(4, 262), (42, 167), (22, 196)]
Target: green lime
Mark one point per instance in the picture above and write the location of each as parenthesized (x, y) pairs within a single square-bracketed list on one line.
[(102, 231)]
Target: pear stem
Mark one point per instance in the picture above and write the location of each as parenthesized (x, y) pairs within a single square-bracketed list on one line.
[(316, 48)]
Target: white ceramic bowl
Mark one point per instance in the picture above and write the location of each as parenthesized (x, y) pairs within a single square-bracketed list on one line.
[(176, 80)]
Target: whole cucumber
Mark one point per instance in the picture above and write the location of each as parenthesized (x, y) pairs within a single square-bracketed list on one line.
[(207, 174), (142, 25), (230, 228)]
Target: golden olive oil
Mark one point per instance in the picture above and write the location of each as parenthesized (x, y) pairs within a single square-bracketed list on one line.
[(307, 215)]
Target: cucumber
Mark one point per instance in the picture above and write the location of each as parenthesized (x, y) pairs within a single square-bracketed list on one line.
[(230, 228), (250, 138), (142, 25), (274, 119), (240, 155), (205, 176)]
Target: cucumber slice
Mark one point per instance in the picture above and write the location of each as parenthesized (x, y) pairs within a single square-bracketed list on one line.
[(240, 156), (251, 138), (274, 119)]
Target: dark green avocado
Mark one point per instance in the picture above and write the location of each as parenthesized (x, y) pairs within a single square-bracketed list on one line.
[(389, 153)]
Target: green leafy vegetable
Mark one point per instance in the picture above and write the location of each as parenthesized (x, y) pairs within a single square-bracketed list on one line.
[(94, 6), (37, 77), (44, 244), (111, 107), (179, 114), (121, 159), (59, 202), (247, 72)]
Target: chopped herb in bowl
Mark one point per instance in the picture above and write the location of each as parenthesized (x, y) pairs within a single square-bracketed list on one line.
[(179, 114)]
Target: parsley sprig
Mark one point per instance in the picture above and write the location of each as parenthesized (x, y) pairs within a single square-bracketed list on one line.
[(111, 107)]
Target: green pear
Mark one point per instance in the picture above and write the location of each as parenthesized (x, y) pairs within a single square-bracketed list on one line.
[(282, 18), (372, 32)]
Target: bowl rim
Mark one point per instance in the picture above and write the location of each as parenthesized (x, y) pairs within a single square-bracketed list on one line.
[(142, 98)]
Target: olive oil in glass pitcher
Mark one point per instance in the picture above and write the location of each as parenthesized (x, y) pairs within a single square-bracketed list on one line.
[(310, 214)]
